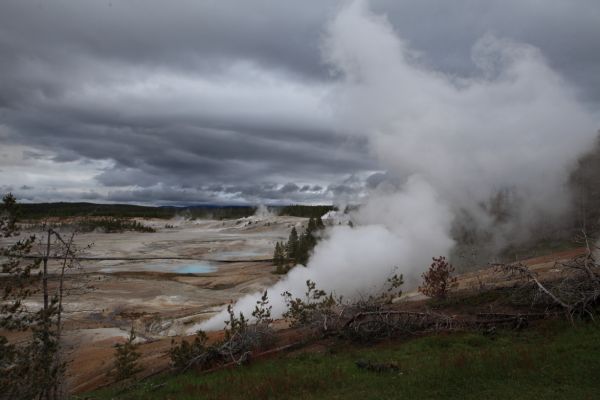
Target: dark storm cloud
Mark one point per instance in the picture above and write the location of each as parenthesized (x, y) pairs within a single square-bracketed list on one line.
[(289, 188), (186, 35), (234, 194), (193, 101), (162, 195)]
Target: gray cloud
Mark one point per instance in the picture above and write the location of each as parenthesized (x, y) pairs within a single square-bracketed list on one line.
[(375, 180), (289, 188), (204, 102)]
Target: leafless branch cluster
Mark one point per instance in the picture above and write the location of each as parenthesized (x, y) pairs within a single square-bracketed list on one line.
[(376, 325), (382, 324), (372, 318), (241, 338), (325, 314), (576, 291)]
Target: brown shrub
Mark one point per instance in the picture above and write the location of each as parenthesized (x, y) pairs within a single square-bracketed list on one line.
[(438, 279)]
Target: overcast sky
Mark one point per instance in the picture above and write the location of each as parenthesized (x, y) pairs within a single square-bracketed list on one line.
[(188, 102)]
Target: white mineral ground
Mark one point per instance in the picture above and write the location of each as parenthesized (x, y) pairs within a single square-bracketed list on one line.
[(159, 296), (164, 294)]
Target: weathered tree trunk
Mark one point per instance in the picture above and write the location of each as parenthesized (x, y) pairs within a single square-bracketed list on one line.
[(45, 271)]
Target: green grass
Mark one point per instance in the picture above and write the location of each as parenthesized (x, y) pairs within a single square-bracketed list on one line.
[(476, 299), (553, 361)]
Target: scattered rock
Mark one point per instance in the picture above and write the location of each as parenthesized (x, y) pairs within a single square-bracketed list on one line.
[(377, 367)]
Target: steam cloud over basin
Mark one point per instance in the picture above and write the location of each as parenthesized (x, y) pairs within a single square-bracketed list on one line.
[(349, 261), (452, 143)]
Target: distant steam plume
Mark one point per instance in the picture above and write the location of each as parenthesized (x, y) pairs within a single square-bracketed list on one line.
[(452, 143)]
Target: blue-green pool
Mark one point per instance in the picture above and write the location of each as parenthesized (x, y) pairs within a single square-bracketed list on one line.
[(196, 267), (200, 267)]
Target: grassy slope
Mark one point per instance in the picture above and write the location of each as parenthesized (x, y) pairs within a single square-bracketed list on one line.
[(551, 361)]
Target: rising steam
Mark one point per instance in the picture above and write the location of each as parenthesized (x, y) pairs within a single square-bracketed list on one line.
[(451, 142)]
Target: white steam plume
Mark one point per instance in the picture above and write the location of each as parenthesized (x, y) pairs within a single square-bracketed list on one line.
[(404, 229), (263, 212), (453, 142)]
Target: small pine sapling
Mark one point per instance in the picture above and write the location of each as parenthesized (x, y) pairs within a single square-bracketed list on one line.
[(191, 353), (262, 311), (126, 358), (314, 307)]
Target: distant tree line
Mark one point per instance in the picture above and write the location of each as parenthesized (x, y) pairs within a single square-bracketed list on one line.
[(35, 211), (298, 247), (111, 225), (44, 210), (305, 211)]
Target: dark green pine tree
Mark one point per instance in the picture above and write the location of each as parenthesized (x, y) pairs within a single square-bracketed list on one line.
[(279, 256), (312, 225), (126, 358), (308, 241), (285, 257), (298, 248), (319, 223), (292, 245), (276, 254), (303, 249)]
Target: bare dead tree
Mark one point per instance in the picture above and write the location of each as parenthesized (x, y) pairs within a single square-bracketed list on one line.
[(576, 291), (34, 367), (50, 330)]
